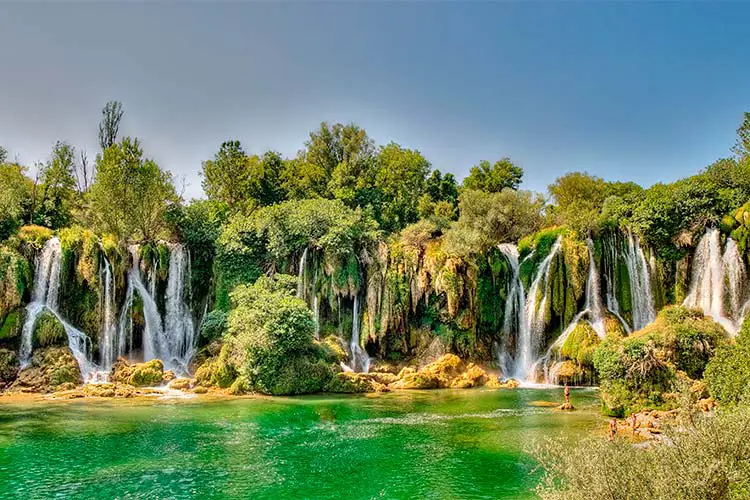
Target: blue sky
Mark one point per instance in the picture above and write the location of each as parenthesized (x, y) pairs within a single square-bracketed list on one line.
[(638, 91)]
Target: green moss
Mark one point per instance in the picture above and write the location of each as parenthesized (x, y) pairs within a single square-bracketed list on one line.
[(581, 344), (9, 367), (11, 328), (48, 331), (218, 371)]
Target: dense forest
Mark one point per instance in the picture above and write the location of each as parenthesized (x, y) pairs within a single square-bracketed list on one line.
[(354, 257)]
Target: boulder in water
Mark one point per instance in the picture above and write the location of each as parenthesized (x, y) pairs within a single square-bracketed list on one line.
[(566, 407), (448, 371), (148, 374), (496, 383), (50, 368), (181, 384)]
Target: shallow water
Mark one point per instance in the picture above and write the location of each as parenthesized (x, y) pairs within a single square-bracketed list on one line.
[(428, 444)]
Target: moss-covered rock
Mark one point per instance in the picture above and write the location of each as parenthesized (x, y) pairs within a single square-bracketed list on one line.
[(9, 367), (218, 371), (181, 384), (48, 331), (148, 374), (336, 348), (10, 329), (449, 371), (50, 368)]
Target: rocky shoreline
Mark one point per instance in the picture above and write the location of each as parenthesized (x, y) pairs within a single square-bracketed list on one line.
[(62, 379)]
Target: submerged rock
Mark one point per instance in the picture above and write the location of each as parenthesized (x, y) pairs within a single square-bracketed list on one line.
[(565, 407), (496, 383)]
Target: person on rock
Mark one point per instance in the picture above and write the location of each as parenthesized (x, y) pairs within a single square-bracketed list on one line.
[(634, 422)]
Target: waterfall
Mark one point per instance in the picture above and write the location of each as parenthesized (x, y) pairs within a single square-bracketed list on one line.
[(316, 305), (46, 279), (530, 334), (640, 284), (179, 331), (301, 288), (360, 359), (710, 270), (592, 309), (514, 320), (609, 256), (153, 331), (109, 346), (125, 336), (45, 296), (593, 294)]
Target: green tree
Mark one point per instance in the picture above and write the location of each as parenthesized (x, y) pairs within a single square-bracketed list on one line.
[(272, 333), (494, 177), (130, 194), (336, 162), (3, 154), (488, 219), (400, 180), (243, 182), (742, 147), (110, 124), (54, 198), (15, 197)]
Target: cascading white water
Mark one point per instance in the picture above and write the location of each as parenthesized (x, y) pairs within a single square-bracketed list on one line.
[(710, 270), (640, 284), (153, 331), (514, 320), (109, 344), (179, 331), (360, 359), (529, 336), (593, 294), (45, 296), (592, 309), (316, 304), (301, 285), (46, 277), (610, 253)]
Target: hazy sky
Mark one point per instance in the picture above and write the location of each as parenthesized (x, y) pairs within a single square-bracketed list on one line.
[(635, 91)]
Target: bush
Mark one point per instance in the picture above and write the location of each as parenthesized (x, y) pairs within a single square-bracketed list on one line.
[(636, 371), (709, 459), (272, 332), (728, 373), (214, 326)]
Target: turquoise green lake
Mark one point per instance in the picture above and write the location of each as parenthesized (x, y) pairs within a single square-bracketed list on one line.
[(427, 444)]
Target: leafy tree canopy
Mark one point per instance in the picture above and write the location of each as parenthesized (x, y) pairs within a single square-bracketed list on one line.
[(494, 177)]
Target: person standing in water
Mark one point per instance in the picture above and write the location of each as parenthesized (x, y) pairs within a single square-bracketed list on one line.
[(567, 393), (612, 429)]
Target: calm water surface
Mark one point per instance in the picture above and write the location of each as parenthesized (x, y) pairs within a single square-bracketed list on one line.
[(428, 444)]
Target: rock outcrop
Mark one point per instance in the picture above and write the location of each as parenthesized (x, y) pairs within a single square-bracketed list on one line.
[(50, 369)]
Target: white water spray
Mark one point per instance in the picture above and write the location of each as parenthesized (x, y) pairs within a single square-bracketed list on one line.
[(45, 296), (360, 359), (640, 284), (710, 270), (178, 344), (530, 334)]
